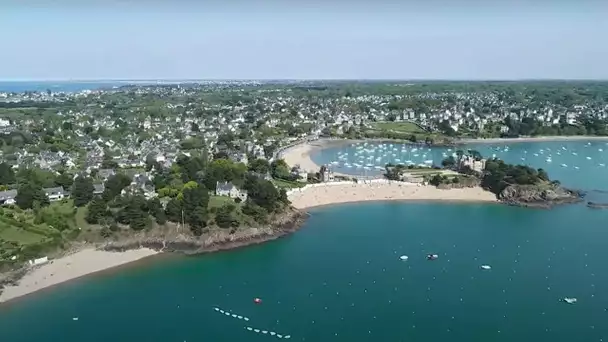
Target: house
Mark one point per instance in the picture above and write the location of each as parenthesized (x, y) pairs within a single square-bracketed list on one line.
[(55, 194), (326, 174), (106, 173), (98, 189), (8, 197), (475, 165), (140, 184), (228, 189), (302, 176)]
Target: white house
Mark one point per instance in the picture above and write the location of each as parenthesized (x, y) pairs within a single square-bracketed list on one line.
[(228, 189), (55, 194)]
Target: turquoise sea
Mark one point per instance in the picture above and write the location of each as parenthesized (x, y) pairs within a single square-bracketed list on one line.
[(340, 278)]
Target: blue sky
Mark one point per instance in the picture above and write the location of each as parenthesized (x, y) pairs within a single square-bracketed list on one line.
[(334, 39)]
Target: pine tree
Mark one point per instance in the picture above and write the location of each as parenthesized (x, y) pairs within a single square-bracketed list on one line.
[(82, 191)]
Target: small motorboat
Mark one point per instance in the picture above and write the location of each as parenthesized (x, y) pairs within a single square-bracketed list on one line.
[(432, 257), (569, 300), (257, 301), (404, 257), (486, 267)]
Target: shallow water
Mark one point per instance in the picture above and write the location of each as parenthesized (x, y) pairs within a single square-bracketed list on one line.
[(340, 279)]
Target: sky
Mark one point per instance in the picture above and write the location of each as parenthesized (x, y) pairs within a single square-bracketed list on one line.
[(292, 39)]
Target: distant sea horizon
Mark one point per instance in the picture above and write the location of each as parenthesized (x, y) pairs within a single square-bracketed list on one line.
[(74, 85)]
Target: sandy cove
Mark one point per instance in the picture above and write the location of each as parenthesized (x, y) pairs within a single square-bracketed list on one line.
[(69, 267), (300, 154), (381, 190)]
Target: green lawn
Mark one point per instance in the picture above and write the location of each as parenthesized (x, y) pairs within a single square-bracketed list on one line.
[(218, 201), (21, 236), (403, 127), (280, 183)]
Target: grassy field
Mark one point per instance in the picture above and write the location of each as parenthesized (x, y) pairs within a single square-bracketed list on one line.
[(403, 127)]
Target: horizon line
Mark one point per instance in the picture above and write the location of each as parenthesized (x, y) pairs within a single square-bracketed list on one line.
[(194, 80)]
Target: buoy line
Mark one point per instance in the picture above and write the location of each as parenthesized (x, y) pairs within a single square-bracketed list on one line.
[(230, 314)]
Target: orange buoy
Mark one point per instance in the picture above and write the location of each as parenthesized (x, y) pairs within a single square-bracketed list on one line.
[(257, 301)]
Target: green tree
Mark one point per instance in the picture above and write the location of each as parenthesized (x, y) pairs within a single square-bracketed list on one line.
[(29, 195), (260, 166), (64, 180), (280, 169), (173, 210), (82, 191), (225, 217), (96, 211), (262, 192), (223, 170), (114, 185), (7, 175)]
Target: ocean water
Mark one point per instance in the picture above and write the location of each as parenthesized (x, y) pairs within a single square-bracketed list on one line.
[(340, 278), (580, 164)]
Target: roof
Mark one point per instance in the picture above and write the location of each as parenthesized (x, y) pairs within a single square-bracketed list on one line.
[(98, 188), (57, 190), (8, 194), (106, 172), (224, 186)]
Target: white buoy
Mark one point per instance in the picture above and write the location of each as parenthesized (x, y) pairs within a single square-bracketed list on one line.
[(404, 257), (486, 267)]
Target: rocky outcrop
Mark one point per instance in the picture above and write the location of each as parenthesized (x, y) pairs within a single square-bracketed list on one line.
[(596, 205), (541, 196), (217, 240)]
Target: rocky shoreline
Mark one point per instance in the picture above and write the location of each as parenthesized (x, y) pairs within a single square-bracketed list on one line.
[(217, 241), (535, 196), (596, 205)]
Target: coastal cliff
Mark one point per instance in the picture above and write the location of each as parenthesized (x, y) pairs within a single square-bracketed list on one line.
[(540, 196), (216, 240)]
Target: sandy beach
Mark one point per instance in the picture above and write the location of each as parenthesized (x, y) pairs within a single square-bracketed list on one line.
[(381, 190), (70, 267), (300, 154)]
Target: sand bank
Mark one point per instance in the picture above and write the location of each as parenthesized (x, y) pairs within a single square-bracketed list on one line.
[(70, 267), (300, 154), (381, 190)]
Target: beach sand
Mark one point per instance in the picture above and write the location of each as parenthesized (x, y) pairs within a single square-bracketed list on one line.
[(300, 154), (70, 267), (329, 193)]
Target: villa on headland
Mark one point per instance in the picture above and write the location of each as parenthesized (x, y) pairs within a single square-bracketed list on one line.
[(474, 164), (229, 190)]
